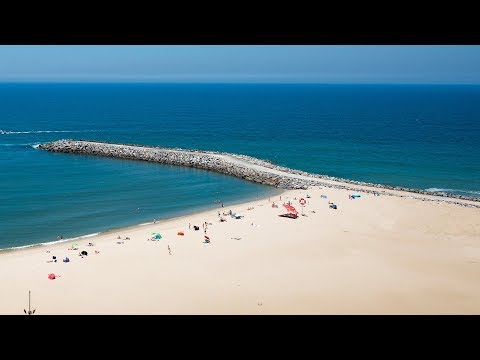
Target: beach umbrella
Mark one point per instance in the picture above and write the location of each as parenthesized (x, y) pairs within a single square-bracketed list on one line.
[(51, 276), (158, 236)]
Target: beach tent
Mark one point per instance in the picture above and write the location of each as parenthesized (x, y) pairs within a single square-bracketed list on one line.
[(292, 212)]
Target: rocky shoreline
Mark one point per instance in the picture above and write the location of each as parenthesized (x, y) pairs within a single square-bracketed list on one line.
[(219, 162)]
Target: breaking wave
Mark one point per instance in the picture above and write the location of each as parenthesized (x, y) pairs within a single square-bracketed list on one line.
[(455, 191), (32, 144)]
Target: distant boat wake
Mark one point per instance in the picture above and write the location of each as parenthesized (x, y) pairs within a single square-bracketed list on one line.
[(5, 132)]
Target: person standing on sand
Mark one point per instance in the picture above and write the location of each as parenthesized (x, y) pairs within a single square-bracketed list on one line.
[(169, 250), (189, 226)]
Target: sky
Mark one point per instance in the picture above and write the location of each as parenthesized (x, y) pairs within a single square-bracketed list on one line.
[(446, 64)]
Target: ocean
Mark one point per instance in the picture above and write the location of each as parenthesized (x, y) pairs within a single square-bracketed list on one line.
[(416, 136)]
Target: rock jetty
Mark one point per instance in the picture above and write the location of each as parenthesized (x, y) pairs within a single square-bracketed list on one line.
[(241, 166)]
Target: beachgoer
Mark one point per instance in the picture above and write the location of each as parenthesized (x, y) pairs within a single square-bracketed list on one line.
[(169, 250), (54, 258), (189, 226), (222, 204), (154, 221), (118, 237)]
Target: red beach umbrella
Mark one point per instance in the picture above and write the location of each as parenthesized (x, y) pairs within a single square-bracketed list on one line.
[(51, 276)]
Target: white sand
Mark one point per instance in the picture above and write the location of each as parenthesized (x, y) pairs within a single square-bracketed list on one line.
[(374, 255)]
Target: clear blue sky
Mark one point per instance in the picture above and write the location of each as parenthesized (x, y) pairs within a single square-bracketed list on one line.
[(259, 63)]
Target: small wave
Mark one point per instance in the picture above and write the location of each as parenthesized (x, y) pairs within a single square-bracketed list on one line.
[(6, 132), (453, 191), (50, 242), (87, 236)]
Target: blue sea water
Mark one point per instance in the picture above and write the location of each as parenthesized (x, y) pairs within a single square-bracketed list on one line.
[(417, 136)]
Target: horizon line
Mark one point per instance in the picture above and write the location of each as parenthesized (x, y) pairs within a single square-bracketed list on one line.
[(230, 82)]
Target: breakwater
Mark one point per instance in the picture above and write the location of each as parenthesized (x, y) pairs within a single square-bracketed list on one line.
[(242, 166)]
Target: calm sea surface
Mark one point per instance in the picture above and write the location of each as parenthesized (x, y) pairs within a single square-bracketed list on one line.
[(417, 136)]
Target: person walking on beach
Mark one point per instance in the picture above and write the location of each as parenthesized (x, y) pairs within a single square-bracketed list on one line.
[(169, 250)]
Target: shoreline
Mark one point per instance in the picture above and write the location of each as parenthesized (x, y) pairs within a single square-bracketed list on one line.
[(372, 255), (122, 228), (246, 167)]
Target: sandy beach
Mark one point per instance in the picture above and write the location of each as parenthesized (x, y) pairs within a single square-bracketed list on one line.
[(372, 255)]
